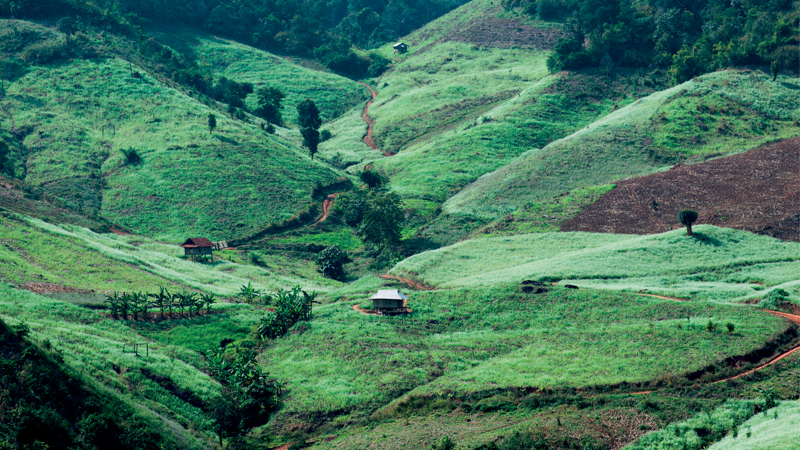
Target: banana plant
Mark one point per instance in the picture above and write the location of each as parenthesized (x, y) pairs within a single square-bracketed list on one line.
[(162, 299), (208, 300), (124, 304), (113, 303)]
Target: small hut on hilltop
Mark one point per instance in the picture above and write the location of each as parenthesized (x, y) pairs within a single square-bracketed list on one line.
[(389, 302), (198, 248), (400, 47)]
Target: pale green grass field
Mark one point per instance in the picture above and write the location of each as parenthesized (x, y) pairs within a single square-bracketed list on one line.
[(716, 264), (777, 429), (37, 251)]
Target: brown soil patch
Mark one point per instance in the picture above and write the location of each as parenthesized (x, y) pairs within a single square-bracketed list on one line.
[(49, 288), (326, 206), (491, 31), (757, 191)]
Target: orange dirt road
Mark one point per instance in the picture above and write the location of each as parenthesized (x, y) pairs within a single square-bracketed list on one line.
[(326, 206), (371, 123)]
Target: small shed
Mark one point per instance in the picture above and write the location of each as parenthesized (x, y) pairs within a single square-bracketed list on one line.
[(400, 47), (198, 248), (388, 299)]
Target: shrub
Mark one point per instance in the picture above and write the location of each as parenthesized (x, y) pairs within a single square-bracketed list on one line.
[(131, 156), (331, 262), (774, 299), (730, 326), (324, 135), (371, 179)]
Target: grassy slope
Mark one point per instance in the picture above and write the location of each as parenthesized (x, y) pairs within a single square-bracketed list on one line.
[(717, 114), (222, 185), (93, 346), (475, 339), (34, 251), (776, 429), (715, 264), (333, 94)]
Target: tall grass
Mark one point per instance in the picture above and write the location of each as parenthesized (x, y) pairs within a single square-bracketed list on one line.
[(717, 264)]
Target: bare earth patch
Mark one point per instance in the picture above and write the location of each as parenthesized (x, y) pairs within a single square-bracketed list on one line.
[(757, 191), (49, 288), (492, 31)]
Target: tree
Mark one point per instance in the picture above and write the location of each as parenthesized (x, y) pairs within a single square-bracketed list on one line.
[(331, 262), (310, 140), (308, 114), (212, 122), (687, 218), (269, 104), (382, 220)]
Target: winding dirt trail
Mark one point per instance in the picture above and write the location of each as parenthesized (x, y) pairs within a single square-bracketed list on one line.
[(410, 283), (326, 206), (370, 122)]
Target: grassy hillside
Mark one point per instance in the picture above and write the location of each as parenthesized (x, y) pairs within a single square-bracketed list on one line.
[(93, 346), (333, 94), (48, 405), (776, 429), (47, 257), (470, 340), (224, 184), (717, 114), (715, 264)]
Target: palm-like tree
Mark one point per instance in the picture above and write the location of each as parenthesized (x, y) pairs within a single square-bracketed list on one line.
[(162, 299), (113, 303), (207, 300)]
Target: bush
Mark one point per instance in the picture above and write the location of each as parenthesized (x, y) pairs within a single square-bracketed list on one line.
[(774, 299), (331, 262), (131, 156), (324, 135)]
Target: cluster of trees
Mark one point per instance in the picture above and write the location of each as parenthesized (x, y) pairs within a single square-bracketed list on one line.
[(248, 394), (291, 306), (331, 262), (690, 38), (136, 304), (323, 28)]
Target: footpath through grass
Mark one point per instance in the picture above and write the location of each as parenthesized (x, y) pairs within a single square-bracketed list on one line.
[(715, 264)]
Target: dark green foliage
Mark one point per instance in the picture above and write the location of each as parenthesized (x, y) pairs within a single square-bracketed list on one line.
[(691, 39), (248, 396), (378, 66), (331, 262), (371, 179), (308, 114), (382, 221), (731, 327), (687, 217), (6, 168), (290, 307), (47, 406), (269, 105), (310, 140), (132, 156), (231, 92), (352, 205), (212, 122), (324, 135), (444, 444), (774, 300), (270, 128)]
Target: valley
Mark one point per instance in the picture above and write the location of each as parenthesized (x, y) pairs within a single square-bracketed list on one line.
[(525, 193)]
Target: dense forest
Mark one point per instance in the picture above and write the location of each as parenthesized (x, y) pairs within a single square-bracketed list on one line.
[(690, 38), (322, 28)]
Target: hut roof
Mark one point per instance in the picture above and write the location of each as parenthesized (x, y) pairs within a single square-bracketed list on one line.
[(400, 44), (389, 294), (197, 242)]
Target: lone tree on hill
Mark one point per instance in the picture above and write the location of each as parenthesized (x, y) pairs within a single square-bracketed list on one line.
[(308, 115), (269, 104), (212, 122), (687, 218)]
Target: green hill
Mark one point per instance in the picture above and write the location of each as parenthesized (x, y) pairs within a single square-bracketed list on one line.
[(226, 184), (715, 264), (713, 115)]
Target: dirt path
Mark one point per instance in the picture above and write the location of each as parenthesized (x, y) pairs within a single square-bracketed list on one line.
[(665, 298), (410, 283), (370, 122), (326, 206)]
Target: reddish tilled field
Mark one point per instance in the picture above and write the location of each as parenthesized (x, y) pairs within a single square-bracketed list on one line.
[(506, 33), (757, 191)]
